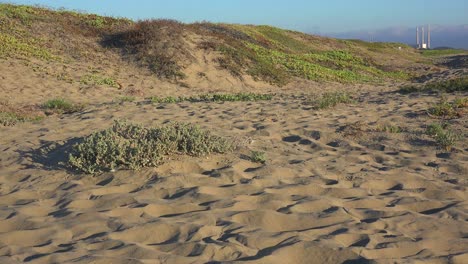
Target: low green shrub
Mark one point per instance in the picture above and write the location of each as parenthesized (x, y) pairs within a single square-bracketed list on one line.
[(129, 146)]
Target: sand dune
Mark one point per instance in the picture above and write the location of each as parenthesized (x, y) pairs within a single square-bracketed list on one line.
[(322, 196)]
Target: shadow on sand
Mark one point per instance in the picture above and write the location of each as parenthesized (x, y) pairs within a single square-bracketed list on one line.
[(51, 155)]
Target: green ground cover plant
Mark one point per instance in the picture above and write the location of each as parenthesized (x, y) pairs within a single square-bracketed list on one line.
[(11, 46), (129, 146), (443, 52), (95, 79)]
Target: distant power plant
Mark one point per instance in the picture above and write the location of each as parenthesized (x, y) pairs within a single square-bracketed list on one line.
[(423, 40)]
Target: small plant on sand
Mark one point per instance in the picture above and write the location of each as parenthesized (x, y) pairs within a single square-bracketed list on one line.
[(332, 99), (448, 110), (389, 128), (62, 106), (124, 99), (258, 157), (443, 135), (128, 146)]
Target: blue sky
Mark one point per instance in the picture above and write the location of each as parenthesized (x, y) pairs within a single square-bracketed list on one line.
[(304, 15)]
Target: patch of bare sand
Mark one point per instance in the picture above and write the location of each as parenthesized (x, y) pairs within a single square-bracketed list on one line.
[(321, 197)]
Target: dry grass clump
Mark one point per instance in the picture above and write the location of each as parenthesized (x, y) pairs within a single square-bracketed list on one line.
[(156, 44), (129, 146)]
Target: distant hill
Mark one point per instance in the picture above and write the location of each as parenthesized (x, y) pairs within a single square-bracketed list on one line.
[(198, 53), (442, 36)]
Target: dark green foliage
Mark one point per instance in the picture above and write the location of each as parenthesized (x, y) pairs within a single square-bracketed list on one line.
[(128, 146)]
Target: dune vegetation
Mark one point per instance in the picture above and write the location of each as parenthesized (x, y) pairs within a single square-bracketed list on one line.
[(265, 53)]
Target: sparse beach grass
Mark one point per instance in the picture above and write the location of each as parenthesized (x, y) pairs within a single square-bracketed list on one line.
[(443, 135), (62, 106), (331, 99), (11, 115), (448, 110), (238, 97)]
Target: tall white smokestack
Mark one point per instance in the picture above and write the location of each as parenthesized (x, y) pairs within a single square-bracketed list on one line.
[(428, 36), (417, 38), (423, 39)]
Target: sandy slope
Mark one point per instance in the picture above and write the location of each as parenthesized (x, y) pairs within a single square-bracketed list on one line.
[(322, 196)]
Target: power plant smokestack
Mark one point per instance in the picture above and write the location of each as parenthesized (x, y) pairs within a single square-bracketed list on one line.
[(428, 36), (417, 38), (423, 41)]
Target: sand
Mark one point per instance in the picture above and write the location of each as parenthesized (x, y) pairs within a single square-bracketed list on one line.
[(323, 196)]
